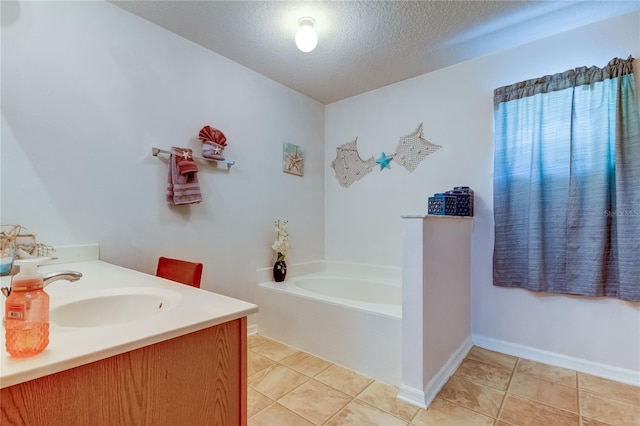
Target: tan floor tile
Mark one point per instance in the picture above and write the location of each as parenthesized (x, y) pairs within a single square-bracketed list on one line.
[(315, 401), (385, 397), (275, 381), (277, 415), (484, 374), (591, 422), (494, 358), (274, 350), (256, 402), (343, 379), (560, 375), (609, 388), (523, 412), (254, 340), (482, 399), (445, 413), (305, 363), (544, 391), (257, 362), (501, 423), (357, 413), (609, 411)]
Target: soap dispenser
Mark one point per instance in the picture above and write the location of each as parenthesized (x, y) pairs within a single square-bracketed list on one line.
[(27, 311)]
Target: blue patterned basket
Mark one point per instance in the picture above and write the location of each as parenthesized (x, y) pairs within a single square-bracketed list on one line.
[(442, 204), (465, 200)]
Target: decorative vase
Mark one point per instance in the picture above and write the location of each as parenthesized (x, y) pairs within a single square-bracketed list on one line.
[(279, 269)]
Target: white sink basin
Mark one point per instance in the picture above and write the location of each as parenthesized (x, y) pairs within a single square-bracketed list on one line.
[(114, 306)]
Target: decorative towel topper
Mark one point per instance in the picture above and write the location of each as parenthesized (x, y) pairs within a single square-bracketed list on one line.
[(213, 143), (411, 150)]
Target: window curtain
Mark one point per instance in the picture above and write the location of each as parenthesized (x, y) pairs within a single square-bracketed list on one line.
[(567, 183)]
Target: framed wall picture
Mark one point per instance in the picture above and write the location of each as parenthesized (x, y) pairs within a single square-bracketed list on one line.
[(292, 159)]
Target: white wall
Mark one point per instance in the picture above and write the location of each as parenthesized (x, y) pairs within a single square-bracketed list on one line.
[(88, 89), (362, 222)]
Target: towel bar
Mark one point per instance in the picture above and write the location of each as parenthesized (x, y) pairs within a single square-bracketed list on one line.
[(155, 151)]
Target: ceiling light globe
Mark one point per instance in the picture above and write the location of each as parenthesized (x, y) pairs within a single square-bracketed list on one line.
[(306, 37)]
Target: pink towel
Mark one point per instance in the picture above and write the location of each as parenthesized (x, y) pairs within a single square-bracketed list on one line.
[(184, 159), (181, 189)]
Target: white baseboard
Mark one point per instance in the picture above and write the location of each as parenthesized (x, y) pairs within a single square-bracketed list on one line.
[(252, 329), (552, 358), (412, 395), (423, 398)]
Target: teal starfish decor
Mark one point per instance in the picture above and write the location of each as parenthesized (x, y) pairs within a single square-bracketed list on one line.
[(384, 161)]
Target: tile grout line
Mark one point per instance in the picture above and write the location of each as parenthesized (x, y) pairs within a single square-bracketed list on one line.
[(610, 397), (255, 414), (548, 404), (264, 368), (380, 408), (469, 408), (284, 407), (506, 392), (466, 408), (475, 382), (579, 399), (578, 411), (341, 408), (336, 413), (512, 371), (301, 415), (264, 408), (493, 365), (306, 381), (616, 398)]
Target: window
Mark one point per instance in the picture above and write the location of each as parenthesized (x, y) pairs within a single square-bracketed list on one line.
[(567, 183)]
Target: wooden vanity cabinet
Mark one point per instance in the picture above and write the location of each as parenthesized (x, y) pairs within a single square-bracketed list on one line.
[(196, 379)]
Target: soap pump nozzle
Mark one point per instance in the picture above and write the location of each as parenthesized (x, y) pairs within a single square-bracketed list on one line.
[(28, 273)]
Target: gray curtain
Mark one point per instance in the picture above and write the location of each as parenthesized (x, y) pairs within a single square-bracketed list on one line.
[(567, 183)]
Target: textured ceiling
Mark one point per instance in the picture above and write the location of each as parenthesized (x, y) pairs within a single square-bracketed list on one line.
[(364, 45)]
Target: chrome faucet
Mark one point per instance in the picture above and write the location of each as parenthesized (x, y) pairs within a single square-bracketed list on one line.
[(61, 275), (51, 277)]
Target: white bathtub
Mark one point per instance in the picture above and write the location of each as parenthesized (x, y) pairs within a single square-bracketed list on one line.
[(349, 314)]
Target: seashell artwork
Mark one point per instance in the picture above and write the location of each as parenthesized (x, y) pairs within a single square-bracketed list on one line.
[(410, 151)]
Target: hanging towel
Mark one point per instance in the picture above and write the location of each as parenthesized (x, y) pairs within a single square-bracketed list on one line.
[(185, 162), (181, 189)]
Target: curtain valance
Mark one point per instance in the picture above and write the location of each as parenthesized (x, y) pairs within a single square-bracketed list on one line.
[(576, 77)]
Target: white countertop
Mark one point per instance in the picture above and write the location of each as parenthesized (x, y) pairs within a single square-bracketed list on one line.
[(70, 347)]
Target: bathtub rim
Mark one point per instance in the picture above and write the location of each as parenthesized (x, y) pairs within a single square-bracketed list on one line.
[(392, 311), (390, 275)]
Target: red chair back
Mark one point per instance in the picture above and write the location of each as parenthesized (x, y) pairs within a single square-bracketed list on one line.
[(180, 271)]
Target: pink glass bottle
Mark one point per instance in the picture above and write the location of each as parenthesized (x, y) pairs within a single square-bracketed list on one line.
[(27, 312)]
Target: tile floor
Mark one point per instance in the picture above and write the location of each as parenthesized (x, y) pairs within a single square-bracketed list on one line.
[(290, 387)]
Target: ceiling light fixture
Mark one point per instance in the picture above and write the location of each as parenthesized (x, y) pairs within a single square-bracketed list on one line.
[(306, 37)]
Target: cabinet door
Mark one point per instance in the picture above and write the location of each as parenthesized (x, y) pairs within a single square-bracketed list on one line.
[(196, 379)]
